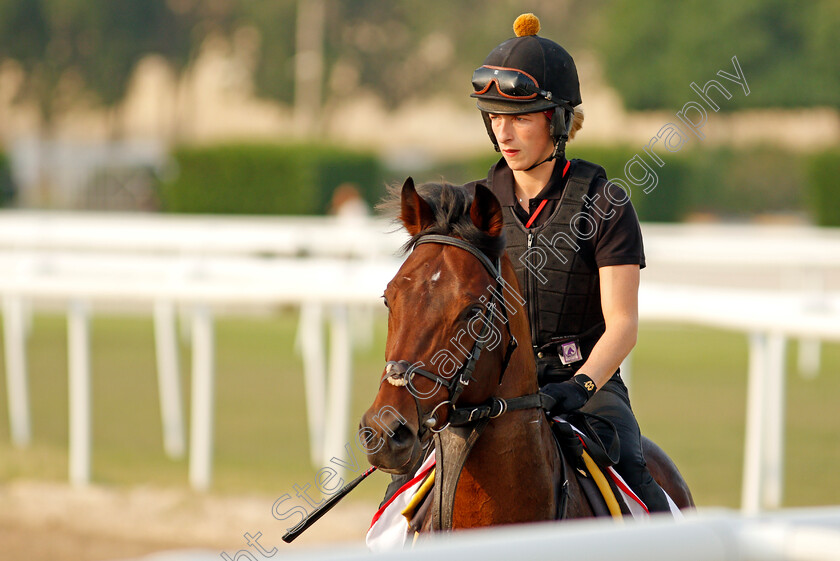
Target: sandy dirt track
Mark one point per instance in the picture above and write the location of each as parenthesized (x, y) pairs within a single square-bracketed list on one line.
[(55, 522)]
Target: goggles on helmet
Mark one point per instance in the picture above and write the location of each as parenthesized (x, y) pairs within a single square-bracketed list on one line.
[(510, 83)]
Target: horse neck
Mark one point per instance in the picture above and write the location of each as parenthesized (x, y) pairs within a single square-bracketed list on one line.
[(509, 475)]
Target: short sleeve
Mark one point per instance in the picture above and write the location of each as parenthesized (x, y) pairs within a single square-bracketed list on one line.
[(619, 237)]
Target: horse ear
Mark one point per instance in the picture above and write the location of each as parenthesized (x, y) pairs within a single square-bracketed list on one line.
[(415, 213), (486, 212)]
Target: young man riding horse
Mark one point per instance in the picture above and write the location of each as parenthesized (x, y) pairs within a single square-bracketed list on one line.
[(574, 247), (573, 238)]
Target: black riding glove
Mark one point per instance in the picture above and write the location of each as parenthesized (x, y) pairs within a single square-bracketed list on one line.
[(571, 395)]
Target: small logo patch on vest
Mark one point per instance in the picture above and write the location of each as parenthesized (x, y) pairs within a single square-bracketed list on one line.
[(570, 352)]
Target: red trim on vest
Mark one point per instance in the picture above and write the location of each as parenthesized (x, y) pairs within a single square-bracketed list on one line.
[(536, 212), (542, 204)]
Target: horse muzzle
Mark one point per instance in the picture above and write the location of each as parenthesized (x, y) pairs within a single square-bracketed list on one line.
[(389, 443)]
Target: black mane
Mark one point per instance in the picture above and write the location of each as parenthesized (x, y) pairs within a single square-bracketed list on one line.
[(451, 207)]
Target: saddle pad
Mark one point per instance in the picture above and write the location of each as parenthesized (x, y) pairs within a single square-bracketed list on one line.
[(389, 528), (603, 495), (632, 502)]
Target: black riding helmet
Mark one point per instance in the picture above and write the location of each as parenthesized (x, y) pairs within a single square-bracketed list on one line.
[(526, 74)]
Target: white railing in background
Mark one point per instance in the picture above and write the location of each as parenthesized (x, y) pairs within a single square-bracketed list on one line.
[(288, 236), (327, 266), (789, 279), (199, 264)]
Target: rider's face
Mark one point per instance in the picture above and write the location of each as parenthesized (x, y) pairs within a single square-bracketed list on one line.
[(523, 139)]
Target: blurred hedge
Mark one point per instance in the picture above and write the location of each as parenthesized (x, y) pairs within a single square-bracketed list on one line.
[(267, 179), (725, 183), (666, 202), (824, 187), (7, 187), (722, 183)]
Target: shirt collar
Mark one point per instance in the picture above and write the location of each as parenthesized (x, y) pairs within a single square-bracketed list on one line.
[(503, 185)]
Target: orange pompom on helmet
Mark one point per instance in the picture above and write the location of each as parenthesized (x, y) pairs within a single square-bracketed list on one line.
[(525, 74)]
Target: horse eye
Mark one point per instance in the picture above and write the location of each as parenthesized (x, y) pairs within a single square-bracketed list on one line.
[(472, 312), (385, 301)]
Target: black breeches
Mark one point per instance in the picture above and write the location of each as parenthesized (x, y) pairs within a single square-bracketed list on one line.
[(613, 403)]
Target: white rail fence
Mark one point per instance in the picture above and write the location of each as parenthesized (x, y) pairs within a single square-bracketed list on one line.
[(202, 264), (326, 266)]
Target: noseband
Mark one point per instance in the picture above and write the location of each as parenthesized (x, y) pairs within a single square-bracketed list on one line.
[(401, 373)]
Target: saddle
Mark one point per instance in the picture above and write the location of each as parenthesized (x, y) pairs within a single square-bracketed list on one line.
[(580, 444)]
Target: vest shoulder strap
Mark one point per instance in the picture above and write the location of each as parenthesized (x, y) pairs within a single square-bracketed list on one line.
[(583, 174)]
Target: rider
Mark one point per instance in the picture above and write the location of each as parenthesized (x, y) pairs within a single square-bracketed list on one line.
[(573, 237)]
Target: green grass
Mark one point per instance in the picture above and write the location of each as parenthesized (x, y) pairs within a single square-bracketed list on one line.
[(689, 393), (688, 390), (261, 438)]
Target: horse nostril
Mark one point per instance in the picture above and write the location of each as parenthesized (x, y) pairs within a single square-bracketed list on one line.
[(367, 436), (402, 435)]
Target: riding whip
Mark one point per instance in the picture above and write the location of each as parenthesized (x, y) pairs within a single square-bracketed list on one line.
[(316, 514)]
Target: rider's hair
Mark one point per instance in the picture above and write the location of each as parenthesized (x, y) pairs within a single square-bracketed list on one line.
[(577, 122)]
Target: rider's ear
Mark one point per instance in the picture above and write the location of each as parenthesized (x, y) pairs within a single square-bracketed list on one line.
[(486, 212), (415, 213)]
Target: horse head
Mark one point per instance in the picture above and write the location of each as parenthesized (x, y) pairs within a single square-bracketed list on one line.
[(452, 322)]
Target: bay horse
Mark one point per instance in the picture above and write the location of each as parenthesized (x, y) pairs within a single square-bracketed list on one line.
[(452, 309)]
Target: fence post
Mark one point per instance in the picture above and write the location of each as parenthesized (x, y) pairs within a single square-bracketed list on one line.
[(78, 350), (310, 338), (14, 333), (203, 374), (752, 483), (338, 408), (774, 432), (169, 379)]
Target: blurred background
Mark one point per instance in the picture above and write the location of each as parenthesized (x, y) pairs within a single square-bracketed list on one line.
[(290, 108), (127, 105)]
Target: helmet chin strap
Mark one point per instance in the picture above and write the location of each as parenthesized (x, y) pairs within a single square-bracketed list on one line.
[(558, 129), (540, 163), (559, 149)]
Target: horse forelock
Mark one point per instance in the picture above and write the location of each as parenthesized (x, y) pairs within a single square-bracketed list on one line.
[(451, 207)]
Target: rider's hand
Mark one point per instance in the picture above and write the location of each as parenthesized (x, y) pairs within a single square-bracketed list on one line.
[(567, 396)]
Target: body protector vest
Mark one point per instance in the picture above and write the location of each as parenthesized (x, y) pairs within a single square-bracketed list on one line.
[(558, 280)]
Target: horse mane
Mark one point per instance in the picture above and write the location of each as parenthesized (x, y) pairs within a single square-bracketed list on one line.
[(451, 207)]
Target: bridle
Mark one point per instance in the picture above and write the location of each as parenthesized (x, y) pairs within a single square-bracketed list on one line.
[(401, 373)]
